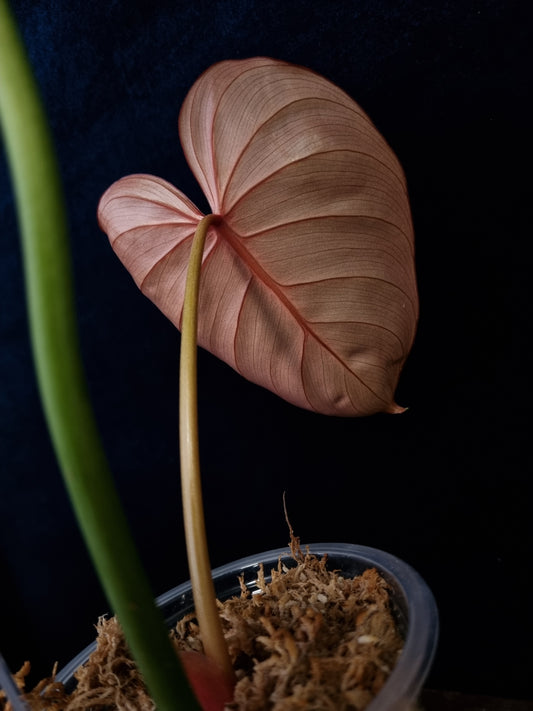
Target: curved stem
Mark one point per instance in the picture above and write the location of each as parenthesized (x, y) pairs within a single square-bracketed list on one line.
[(60, 374), (193, 512)]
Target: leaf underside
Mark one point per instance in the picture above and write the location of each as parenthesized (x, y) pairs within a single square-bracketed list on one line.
[(308, 284)]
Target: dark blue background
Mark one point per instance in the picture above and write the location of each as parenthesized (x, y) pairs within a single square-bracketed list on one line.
[(444, 486)]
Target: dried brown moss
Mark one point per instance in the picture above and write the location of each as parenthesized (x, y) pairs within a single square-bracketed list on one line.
[(47, 694), (109, 681), (309, 639)]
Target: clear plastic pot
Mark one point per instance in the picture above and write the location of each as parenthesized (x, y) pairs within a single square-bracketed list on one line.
[(413, 606)]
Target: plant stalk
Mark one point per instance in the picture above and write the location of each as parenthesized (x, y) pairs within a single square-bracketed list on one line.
[(60, 374), (213, 641)]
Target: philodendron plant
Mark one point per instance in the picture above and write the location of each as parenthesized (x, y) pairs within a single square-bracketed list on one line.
[(304, 267), (301, 278)]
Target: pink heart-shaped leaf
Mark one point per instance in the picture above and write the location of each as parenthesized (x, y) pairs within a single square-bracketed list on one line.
[(308, 284)]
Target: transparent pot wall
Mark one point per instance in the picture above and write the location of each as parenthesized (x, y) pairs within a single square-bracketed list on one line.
[(413, 606)]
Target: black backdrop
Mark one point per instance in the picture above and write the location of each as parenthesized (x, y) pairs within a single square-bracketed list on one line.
[(440, 486)]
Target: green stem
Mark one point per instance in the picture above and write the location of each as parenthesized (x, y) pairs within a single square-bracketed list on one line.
[(193, 513), (50, 297)]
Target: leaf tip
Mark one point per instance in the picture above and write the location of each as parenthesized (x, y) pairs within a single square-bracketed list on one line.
[(394, 409)]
